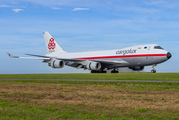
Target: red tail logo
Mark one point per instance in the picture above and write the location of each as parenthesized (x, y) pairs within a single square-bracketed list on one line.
[(51, 44)]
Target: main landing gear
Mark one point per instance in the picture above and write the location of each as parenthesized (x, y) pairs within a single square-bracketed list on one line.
[(105, 71), (153, 70), (100, 71), (115, 71)]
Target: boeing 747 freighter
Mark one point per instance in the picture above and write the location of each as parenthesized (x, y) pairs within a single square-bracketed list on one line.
[(135, 57)]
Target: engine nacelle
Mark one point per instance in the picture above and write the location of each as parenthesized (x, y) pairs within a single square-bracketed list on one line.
[(137, 68), (57, 64), (94, 66)]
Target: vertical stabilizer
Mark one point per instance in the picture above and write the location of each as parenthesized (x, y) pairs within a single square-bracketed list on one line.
[(51, 44)]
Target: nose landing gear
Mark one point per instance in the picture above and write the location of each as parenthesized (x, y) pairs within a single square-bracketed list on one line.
[(153, 70)]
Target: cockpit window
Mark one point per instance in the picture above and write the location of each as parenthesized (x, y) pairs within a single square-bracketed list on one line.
[(157, 47)]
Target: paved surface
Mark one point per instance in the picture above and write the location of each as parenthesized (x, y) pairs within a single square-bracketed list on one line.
[(96, 80)]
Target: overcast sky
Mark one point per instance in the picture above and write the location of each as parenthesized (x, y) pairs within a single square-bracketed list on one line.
[(85, 25)]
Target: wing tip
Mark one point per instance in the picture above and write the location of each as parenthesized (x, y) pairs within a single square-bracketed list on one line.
[(11, 56)]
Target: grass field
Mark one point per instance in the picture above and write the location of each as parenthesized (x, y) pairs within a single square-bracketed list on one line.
[(49, 99), (120, 76)]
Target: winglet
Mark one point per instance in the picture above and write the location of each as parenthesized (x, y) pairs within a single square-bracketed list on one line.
[(12, 56)]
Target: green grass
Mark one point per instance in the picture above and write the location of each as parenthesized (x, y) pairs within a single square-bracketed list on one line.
[(15, 110), (160, 86), (120, 76), (20, 110)]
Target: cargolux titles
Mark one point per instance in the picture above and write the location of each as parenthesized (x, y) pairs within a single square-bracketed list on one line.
[(126, 51)]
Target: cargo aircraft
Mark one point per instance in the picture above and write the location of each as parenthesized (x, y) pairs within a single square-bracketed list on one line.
[(135, 57)]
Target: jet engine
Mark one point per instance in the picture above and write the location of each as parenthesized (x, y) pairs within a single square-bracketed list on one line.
[(137, 68), (57, 64), (94, 66)]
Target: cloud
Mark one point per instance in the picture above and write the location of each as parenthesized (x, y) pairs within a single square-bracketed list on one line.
[(142, 10), (55, 8), (76, 9), (17, 10), (165, 4), (54, 3), (156, 2), (5, 5), (23, 6)]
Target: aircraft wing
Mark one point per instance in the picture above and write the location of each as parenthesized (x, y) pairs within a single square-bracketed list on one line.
[(64, 59), (112, 61), (101, 61), (40, 57), (37, 58), (78, 63)]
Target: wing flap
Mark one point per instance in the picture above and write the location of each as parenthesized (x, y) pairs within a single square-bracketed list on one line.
[(35, 58), (71, 60), (38, 55)]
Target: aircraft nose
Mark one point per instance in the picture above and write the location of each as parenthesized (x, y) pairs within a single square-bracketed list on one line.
[(169, 55)]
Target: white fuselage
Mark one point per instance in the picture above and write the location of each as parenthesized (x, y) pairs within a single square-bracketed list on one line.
[(141, 55)]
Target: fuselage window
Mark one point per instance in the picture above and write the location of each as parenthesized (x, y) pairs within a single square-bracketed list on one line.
[(157, 47)]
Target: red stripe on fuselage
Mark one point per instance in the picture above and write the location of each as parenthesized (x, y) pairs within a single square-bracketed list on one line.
[(123, 56)]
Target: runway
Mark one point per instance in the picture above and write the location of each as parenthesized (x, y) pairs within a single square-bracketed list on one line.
[(155, 81)]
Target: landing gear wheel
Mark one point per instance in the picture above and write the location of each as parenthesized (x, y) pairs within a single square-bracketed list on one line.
[(115, 71), (103, 72), (94, 71), (153, 71)]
